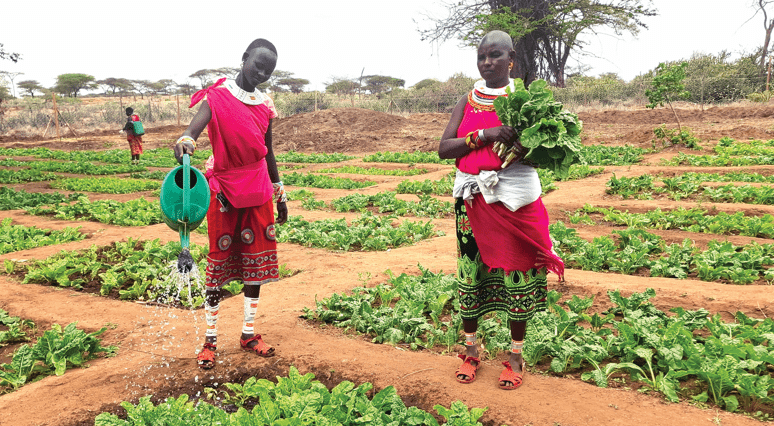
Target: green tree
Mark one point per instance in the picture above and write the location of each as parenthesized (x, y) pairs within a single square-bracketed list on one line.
[(293, 84), (428, 82), (8, 55), (31, 86), (272, 85), (341, 86), (5, 94), (185, 89), (114, 85), (164, 86), (544, 32), (666, 86), (71, 84), (204, 76), (377, 84)]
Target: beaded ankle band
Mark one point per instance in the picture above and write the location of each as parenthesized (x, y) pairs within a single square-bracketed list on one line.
[(516, 347), (470, 339)]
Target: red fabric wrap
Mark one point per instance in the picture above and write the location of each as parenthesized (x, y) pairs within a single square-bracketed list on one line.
[(237, 133), (135, 143), (242, 245), (513, 241)]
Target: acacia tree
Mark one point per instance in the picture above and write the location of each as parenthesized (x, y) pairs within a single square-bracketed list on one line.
[(768, 26), (377, 84), (341, 86), (203, 76), (10, 76), (71, 84), (114, 85), (544, 32), (31, 86), (293, 84)]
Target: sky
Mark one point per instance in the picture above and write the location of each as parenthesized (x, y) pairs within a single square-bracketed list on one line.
[(322, 39)]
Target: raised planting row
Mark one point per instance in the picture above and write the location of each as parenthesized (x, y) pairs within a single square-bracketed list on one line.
[(297, 157), (17, 237), (77, 167), (384, 202), (691, 220), (373, 171), (106, 185), (16, 330), (11, 199), (643, 187), (24, 175), (294, 400), (428, 157), (54, 352), (322, 181), (727, 146), (639, 251), (137, 212), (717, 160), (365, 233), (683, 356), (131, 270), (604, 155), (157, 157)]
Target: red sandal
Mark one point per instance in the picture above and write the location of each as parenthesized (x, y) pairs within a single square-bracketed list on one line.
[(262, 348), (467, 369), (509, 376), (206, 358)]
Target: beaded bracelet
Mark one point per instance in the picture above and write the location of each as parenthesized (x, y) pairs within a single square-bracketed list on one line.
[(474, 139), (186, 139), (279, 192)]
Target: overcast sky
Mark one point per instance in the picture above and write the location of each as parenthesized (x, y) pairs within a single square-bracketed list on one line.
[(319, 39)]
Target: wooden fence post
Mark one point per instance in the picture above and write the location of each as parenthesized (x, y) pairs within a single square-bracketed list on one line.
[(56, 116), (178, 109)]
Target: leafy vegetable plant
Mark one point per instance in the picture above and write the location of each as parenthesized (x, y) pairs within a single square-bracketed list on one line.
[(551, 135)]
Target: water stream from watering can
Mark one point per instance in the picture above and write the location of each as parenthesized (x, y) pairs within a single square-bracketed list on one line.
[(163, 340)]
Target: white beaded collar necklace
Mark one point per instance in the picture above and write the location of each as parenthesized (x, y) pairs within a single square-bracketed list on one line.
[(249, 98), (481, 98)]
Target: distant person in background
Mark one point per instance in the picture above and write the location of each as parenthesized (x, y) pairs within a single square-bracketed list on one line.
[(503, 246), (135, 140), (243, 179)]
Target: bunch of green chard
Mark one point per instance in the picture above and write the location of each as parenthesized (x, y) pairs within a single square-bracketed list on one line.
[(550, 135)]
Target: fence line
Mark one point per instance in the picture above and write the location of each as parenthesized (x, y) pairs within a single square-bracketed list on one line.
[(31, 115)]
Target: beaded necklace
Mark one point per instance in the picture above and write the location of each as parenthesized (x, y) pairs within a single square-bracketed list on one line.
[(481, 98)]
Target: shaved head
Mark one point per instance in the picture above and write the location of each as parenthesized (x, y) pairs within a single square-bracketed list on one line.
[(498, 38)]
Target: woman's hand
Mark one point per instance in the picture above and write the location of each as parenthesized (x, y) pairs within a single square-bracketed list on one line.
[(183, 148), (504, 134), (282, 212)]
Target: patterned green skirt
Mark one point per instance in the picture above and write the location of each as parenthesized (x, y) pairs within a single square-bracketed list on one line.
[(520, 294)]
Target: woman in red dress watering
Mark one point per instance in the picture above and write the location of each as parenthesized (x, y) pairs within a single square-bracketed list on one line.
[(243, 181), (504, 248)]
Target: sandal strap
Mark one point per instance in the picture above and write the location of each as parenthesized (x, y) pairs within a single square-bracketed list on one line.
[(508, 375), (244, 343)]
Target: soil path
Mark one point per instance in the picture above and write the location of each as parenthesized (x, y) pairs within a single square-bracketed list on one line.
[(157, 345)]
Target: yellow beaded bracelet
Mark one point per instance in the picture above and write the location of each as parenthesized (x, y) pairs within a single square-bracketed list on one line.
[(188, 139)]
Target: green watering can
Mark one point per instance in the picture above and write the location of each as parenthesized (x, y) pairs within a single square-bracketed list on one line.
[(185, 198)]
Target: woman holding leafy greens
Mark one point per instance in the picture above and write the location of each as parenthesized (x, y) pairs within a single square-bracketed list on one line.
[(504, 267)]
